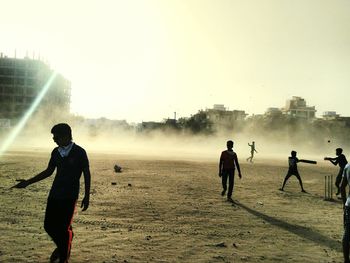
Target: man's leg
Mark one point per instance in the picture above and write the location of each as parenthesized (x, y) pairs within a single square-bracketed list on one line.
[(71, 240), (50, 224), (300, 181), (338, 181), (285, 180), (249, 158), (55, 255), (66, 230), (230, 184), (58, 219), (346, 236), (224, 182)]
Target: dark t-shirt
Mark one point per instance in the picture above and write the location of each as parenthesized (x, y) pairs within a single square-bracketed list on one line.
[(341, 160), (69, 169), (293, 167), (228, 158)]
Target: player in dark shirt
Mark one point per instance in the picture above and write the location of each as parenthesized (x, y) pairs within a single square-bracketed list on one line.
[(341, 160), (70, 161), (228, 162), (293, 170)]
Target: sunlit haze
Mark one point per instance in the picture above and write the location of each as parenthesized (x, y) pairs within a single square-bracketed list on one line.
[(145, 60)]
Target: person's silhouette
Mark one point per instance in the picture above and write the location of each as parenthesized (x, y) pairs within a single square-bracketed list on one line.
[(70, 161), (227, 164), (252, 150), (293, 170), (341, 160)]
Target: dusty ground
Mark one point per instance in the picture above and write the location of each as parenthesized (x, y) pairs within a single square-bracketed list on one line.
[(172, 211)]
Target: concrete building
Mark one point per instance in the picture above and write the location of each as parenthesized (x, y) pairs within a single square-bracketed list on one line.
[(149, 126), (224, 119), (220, 114), (219, 107), (21, 80), (330, 115), (297, 107), (272, 111)]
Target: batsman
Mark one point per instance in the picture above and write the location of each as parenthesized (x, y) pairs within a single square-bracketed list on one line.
[(293, 170)]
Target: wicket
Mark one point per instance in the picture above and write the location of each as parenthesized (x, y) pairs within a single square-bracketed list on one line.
[(328, 187)]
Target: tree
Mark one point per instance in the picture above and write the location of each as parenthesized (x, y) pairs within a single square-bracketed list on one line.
[(199, 123)]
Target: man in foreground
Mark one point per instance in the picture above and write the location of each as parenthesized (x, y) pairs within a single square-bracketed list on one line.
[(71, 161), (228, 162)]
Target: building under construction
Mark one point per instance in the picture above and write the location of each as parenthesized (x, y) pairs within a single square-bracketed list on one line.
[(21, 80)]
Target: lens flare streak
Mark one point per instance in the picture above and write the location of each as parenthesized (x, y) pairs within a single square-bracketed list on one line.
[(18, 128)]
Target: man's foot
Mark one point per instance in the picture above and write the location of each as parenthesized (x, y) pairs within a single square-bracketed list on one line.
[(230, 199), (54, 256), (303, 191), (223, 192), (281, 189)]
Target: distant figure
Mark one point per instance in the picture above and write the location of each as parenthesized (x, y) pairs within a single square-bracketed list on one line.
[(71, 161), (228, 162), (341, 160), (346, 204), (293, 170), (252, 150)]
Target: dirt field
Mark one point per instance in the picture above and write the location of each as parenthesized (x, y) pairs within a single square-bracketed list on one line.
[(172, 211)]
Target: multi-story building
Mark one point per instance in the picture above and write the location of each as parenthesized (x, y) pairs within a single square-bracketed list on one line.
[(219, 107), (219, 113), (297, 107), (21, 80), (224, 118)]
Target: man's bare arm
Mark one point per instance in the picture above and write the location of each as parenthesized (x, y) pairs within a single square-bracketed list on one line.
[(332, 160), (343, 185), (238, 168), (87, 183), (220, 167), (41, 176)]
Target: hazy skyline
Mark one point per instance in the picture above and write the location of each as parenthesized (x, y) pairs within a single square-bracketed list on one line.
[(144, 60)]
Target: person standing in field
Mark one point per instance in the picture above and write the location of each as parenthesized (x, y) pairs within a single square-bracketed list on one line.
[(341, 160), (70, 161), (293, 170), (252, 150), (228, 163), (346, 206)]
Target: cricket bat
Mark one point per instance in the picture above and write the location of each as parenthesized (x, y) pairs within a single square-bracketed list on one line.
[(307, 161)]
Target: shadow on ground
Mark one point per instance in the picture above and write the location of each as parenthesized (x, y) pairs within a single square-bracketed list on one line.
[(301, 231)]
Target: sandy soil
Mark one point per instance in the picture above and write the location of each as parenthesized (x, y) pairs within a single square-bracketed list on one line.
[(172, 211)]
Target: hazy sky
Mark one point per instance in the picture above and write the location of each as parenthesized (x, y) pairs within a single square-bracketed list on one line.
[(145, 59)]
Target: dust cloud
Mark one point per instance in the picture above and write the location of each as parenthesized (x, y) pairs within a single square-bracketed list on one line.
[(121, 138)]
